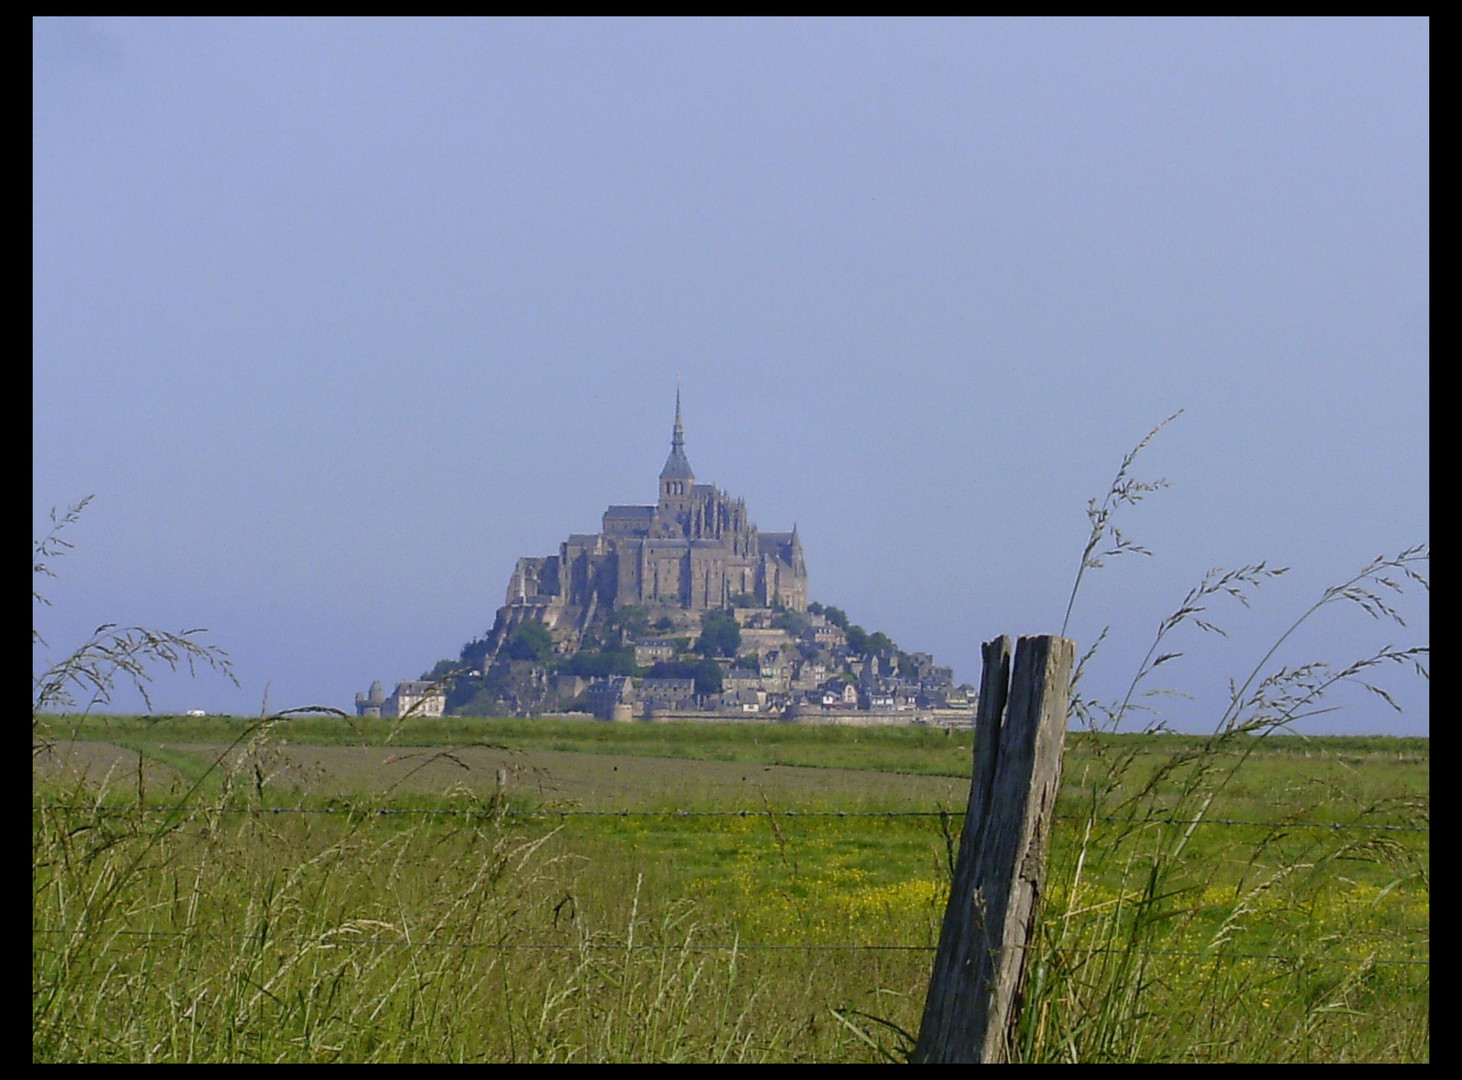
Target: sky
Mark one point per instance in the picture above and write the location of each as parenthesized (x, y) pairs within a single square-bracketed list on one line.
[(334, 319)]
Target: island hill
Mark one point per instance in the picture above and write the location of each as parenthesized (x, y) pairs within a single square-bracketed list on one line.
[(680, 608)]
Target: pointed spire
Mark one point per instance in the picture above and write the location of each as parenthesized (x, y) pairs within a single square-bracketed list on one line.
[(677, 466), (677, 434)]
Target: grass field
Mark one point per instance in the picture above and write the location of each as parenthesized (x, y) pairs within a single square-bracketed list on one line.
[(567, 890)]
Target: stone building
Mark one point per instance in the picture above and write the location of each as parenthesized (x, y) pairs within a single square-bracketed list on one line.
[(695, 550), (650, 651), (371, 702), (667, 694), (612, 698), (409, 698)]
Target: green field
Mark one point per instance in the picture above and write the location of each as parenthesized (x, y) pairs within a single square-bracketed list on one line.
[(494, 890)]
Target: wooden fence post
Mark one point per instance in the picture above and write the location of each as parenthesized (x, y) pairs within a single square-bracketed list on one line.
[(970, 1012)]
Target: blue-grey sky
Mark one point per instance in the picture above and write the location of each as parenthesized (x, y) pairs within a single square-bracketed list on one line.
[(337, 318)]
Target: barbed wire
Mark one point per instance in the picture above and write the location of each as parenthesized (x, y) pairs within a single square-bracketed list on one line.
[(488, 812), (336, 938)]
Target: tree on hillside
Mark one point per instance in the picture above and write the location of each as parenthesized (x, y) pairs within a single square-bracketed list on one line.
[(597, 663), (474, 653), (706, 673), (880, 643), (720, 634), (631, 621), (466, 690), (441, 670), (794, 622), (529, 641), (708, 677)]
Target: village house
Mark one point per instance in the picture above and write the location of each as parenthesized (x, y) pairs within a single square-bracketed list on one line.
[(740, 678), (837, 694), (745, 701), (666, 694), (408, 699), (822, 634), (651, 651), (875, 699), (808, 674), (612, 698)]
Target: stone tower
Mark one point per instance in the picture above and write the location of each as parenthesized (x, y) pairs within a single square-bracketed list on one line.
[(677, 479)]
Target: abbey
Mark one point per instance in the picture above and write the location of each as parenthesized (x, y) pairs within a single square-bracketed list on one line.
[(694, 550)]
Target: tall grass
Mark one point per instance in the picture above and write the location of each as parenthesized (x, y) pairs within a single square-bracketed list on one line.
[(212, 930), (233, 934), (1154, 947)]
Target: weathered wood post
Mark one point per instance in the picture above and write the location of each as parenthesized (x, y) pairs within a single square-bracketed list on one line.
[(979, 968)]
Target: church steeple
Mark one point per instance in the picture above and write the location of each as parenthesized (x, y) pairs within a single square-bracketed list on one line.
[(677, 468)]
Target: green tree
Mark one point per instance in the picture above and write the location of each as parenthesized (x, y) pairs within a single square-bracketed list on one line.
[(671, 669), (474, 654), (857, 640), (794, 622), (466, 692), (720, 634), (529, 641), (597, 663), (836, 617), (706, 673), (631, 620), (442, 669), (708, 677)]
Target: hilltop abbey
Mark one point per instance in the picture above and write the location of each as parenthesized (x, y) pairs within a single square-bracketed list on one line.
[(694, 550)]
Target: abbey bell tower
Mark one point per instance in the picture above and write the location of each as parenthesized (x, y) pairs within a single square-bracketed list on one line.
[(676, 478)]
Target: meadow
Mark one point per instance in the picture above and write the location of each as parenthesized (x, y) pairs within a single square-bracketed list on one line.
[(321, 889), (318, 888)]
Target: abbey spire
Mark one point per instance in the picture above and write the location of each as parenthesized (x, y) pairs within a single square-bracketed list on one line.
[(677, 468)]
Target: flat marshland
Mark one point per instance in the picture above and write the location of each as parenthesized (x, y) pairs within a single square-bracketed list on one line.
[(543, 890)]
